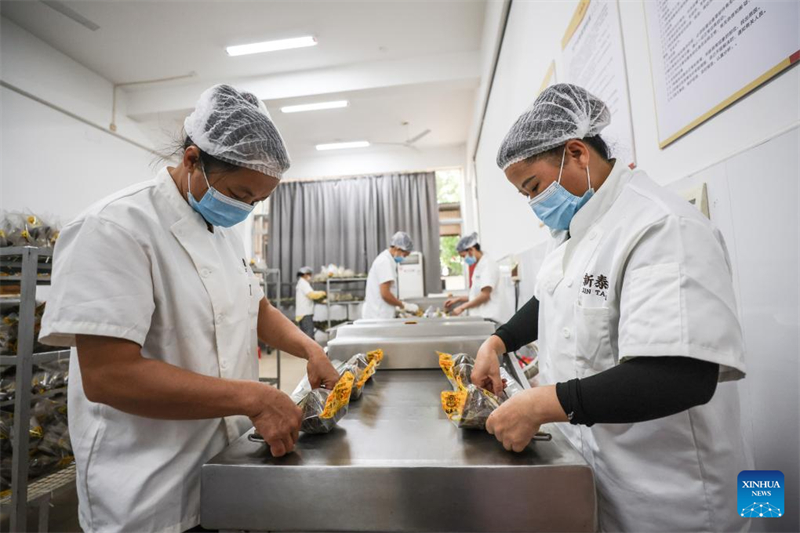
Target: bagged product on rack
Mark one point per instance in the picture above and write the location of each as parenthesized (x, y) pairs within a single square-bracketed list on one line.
[(55, 440), (9, 328), (8, 383), (6, 425), (26, 229), (50, 376)]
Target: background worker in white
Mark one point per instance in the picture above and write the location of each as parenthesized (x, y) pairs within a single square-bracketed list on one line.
[(381, 294), (153, 292), (487, 295), (304, 298), (637, 324)]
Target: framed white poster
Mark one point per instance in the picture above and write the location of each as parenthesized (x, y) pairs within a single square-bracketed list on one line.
[(705, 55), (592, 57)]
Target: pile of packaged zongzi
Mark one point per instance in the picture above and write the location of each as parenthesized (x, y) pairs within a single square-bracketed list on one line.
[(323, 408)]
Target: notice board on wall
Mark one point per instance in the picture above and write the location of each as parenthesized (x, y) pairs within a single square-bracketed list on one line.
[(593, 57), (705, 55), (550, 77)]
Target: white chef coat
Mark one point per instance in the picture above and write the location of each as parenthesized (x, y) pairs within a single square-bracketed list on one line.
[(383, 269), (142, 265), (487, 274), (645, 274), (304, 305)]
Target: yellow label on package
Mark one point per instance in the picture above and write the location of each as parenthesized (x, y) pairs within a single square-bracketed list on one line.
[(375, 354), (367, 373), (453, 402), (339, 396), (446, 363)]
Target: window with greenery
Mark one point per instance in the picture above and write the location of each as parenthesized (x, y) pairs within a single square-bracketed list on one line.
[(449, 258), (448, 186), (448, 195)]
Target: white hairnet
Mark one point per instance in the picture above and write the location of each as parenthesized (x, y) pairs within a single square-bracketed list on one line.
[(402, 240), (467, 242), (306, 270), (562, 112), (234, 126)]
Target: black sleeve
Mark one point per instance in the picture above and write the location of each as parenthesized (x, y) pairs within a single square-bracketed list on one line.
[(522, 328), (643, 388)]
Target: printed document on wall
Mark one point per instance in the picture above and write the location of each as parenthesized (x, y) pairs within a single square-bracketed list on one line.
[(593, 57), (706, 55)]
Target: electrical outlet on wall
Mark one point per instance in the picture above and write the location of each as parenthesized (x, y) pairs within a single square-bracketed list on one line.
[(698, 197)]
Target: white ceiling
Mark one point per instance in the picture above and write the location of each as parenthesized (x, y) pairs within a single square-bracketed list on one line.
[(395, 61)]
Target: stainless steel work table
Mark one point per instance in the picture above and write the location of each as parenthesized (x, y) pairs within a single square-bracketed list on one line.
[(395, 463)]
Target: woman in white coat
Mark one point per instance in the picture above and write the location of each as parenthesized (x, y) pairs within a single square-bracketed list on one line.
[(488, 297), (152, 290), (304, 298), (637, 323)]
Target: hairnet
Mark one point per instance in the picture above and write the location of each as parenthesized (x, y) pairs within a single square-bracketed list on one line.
[(467, 242), (402, 240), (304, 271), (562, 112), (235, 127)]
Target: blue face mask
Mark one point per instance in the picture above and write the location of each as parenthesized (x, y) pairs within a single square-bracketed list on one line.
[(469, 260), (555, 206), (218, 209), (398, 259)]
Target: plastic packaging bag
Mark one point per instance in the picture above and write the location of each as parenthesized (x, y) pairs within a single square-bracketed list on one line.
[(364, 369), (26, 229), (322, 409), (468, 406), (459, 370)]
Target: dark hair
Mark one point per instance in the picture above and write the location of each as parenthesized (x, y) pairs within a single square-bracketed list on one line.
[(300, 275), (595, 141), (477, 246), (211, 164)]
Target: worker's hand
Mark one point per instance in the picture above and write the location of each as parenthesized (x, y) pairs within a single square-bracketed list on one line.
[(320, 371), (276, 418), (515, 422), (486, 373), (411, 308), (450, 302), (458, 310)]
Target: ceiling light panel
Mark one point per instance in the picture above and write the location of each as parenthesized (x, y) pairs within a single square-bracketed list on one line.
[(314, 107), (342, 146), (271, 46)]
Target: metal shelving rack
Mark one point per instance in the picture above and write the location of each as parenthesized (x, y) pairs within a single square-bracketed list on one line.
[(31, 262), (349, 304), (266, 274)]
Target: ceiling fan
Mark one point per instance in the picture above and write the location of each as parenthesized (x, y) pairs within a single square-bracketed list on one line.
[(410, 141)]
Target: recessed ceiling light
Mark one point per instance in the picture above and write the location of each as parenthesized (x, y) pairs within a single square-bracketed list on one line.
[(342, 146), (271, 46), (314, 107)]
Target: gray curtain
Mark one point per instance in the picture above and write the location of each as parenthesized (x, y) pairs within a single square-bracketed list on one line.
[(348, 222)]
